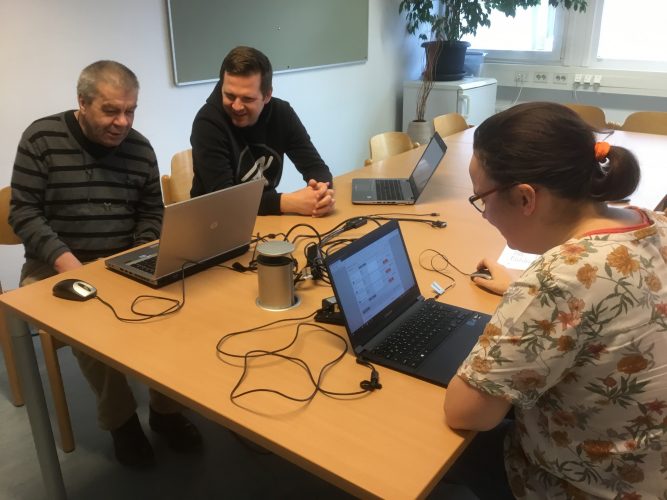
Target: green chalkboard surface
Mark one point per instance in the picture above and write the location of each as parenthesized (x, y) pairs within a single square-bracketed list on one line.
[(294, 34)]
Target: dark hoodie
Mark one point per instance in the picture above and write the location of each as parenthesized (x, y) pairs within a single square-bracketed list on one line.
[(224, 155)]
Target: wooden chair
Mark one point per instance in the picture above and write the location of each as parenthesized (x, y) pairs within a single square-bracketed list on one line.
[(450, 124), (649, 122), (7, 237), (389, 144), (662, 206), (592, 115), (49, 346), (176, 187)]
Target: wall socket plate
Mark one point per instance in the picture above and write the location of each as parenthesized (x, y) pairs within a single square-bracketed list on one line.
[(560, 78), (521, 77), (541, 77)]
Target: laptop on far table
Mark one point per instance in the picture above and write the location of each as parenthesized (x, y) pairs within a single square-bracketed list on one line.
[(388, 321), (401, 191), (196, 234)]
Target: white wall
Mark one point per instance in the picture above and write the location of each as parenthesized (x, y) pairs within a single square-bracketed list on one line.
[(45, 44)]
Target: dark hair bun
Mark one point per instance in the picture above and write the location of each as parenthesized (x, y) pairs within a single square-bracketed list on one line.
[(618, 178)]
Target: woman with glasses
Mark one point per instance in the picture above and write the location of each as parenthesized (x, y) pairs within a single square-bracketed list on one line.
[(578, 344)]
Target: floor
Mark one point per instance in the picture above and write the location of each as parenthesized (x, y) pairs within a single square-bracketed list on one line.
[(227, 468)]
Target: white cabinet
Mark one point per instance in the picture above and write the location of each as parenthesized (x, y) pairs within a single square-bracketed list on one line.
[(474, 98)]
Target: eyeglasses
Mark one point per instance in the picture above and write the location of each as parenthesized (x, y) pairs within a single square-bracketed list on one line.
[(477, 200)]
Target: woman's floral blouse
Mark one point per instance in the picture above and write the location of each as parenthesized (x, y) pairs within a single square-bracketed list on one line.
[(579, 346)]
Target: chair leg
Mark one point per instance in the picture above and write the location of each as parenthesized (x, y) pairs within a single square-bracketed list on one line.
[(58, 391), (10, 364)]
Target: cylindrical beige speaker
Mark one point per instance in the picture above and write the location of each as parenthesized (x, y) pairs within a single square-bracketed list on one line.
[(275, 276)]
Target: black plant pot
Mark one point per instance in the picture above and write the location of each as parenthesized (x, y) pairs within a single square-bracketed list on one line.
[(449, 64)]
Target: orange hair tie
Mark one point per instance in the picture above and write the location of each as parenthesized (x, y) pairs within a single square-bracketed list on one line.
[(601, 151)]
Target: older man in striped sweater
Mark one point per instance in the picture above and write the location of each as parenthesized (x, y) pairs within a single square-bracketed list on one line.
[(86, 185)]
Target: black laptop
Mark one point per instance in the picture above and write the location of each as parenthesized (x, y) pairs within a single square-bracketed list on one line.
[(196, 234), (401, 191), (387, 319)]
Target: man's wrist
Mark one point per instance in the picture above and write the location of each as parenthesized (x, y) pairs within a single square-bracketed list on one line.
[(65, 262), (283, 203)]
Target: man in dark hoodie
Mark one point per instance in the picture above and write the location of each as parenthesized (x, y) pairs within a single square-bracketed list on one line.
[(242, 133)]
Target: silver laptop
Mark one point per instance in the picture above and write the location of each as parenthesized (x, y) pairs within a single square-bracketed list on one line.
[(401, 191), (387, 319), (196, 234)]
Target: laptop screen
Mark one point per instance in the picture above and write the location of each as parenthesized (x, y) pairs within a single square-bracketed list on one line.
[(427, 164), (371, 276)]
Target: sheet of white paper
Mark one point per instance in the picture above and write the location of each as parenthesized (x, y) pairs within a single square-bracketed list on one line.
[(513, 259)]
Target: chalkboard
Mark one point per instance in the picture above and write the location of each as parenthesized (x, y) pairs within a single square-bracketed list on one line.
[(294, 34)]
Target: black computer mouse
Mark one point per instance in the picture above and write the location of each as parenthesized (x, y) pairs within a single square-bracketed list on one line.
[(483, 273), (73, 289)]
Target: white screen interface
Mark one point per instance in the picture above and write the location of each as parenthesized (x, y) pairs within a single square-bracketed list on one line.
[(370, 279)]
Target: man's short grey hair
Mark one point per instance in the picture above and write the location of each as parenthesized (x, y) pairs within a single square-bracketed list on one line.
[(110, 72)]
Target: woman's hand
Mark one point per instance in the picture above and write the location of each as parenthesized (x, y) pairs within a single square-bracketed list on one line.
[(500, 277)]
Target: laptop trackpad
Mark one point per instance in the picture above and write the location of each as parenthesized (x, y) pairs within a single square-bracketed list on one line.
[(363, 189)]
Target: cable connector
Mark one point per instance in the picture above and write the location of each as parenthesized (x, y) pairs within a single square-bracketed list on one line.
[(437, 288), (237, 266), (355, 223), (438, 223), (315, 261)]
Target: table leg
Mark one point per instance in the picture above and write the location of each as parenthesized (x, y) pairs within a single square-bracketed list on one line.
[(33, 393)]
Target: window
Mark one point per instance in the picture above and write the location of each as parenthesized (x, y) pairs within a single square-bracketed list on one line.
[(632, 33), (534, 34), (609, 35)]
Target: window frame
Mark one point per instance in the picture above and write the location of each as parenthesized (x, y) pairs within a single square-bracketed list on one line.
[(633, 65), (576, 39), (532, 56)]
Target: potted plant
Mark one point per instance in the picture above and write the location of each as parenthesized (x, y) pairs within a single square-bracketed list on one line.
[(448, 22)]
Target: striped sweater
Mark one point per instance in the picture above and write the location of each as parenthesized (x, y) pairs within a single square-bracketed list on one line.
[(70, 194)]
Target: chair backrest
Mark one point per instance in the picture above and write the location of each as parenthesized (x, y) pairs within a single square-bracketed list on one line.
[(176, 187), (389, 144), (449, 124), (649, 122), (592, 115), (662, 205), (7, 235)]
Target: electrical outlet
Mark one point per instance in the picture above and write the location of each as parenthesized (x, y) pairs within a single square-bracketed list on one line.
[(597, 79), (561, 78), (520, 77), (540, 77), (578, 78), (588, 79)]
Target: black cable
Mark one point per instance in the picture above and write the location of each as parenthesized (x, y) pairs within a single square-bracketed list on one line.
[(393, 214), (366, 386), (314, 252), (227, 336), (175, 307), (252, 265), (440, 270), (443, 257), (331, 245), (432, 223), (319, 237)]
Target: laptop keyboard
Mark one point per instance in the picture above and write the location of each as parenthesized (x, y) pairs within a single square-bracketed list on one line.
[(388, 189), (421, 333), (146, 265)]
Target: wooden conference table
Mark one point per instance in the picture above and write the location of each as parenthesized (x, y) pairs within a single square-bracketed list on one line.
[(391, 443)]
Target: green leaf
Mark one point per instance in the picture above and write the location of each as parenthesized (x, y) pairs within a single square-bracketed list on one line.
[(463, 17)]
